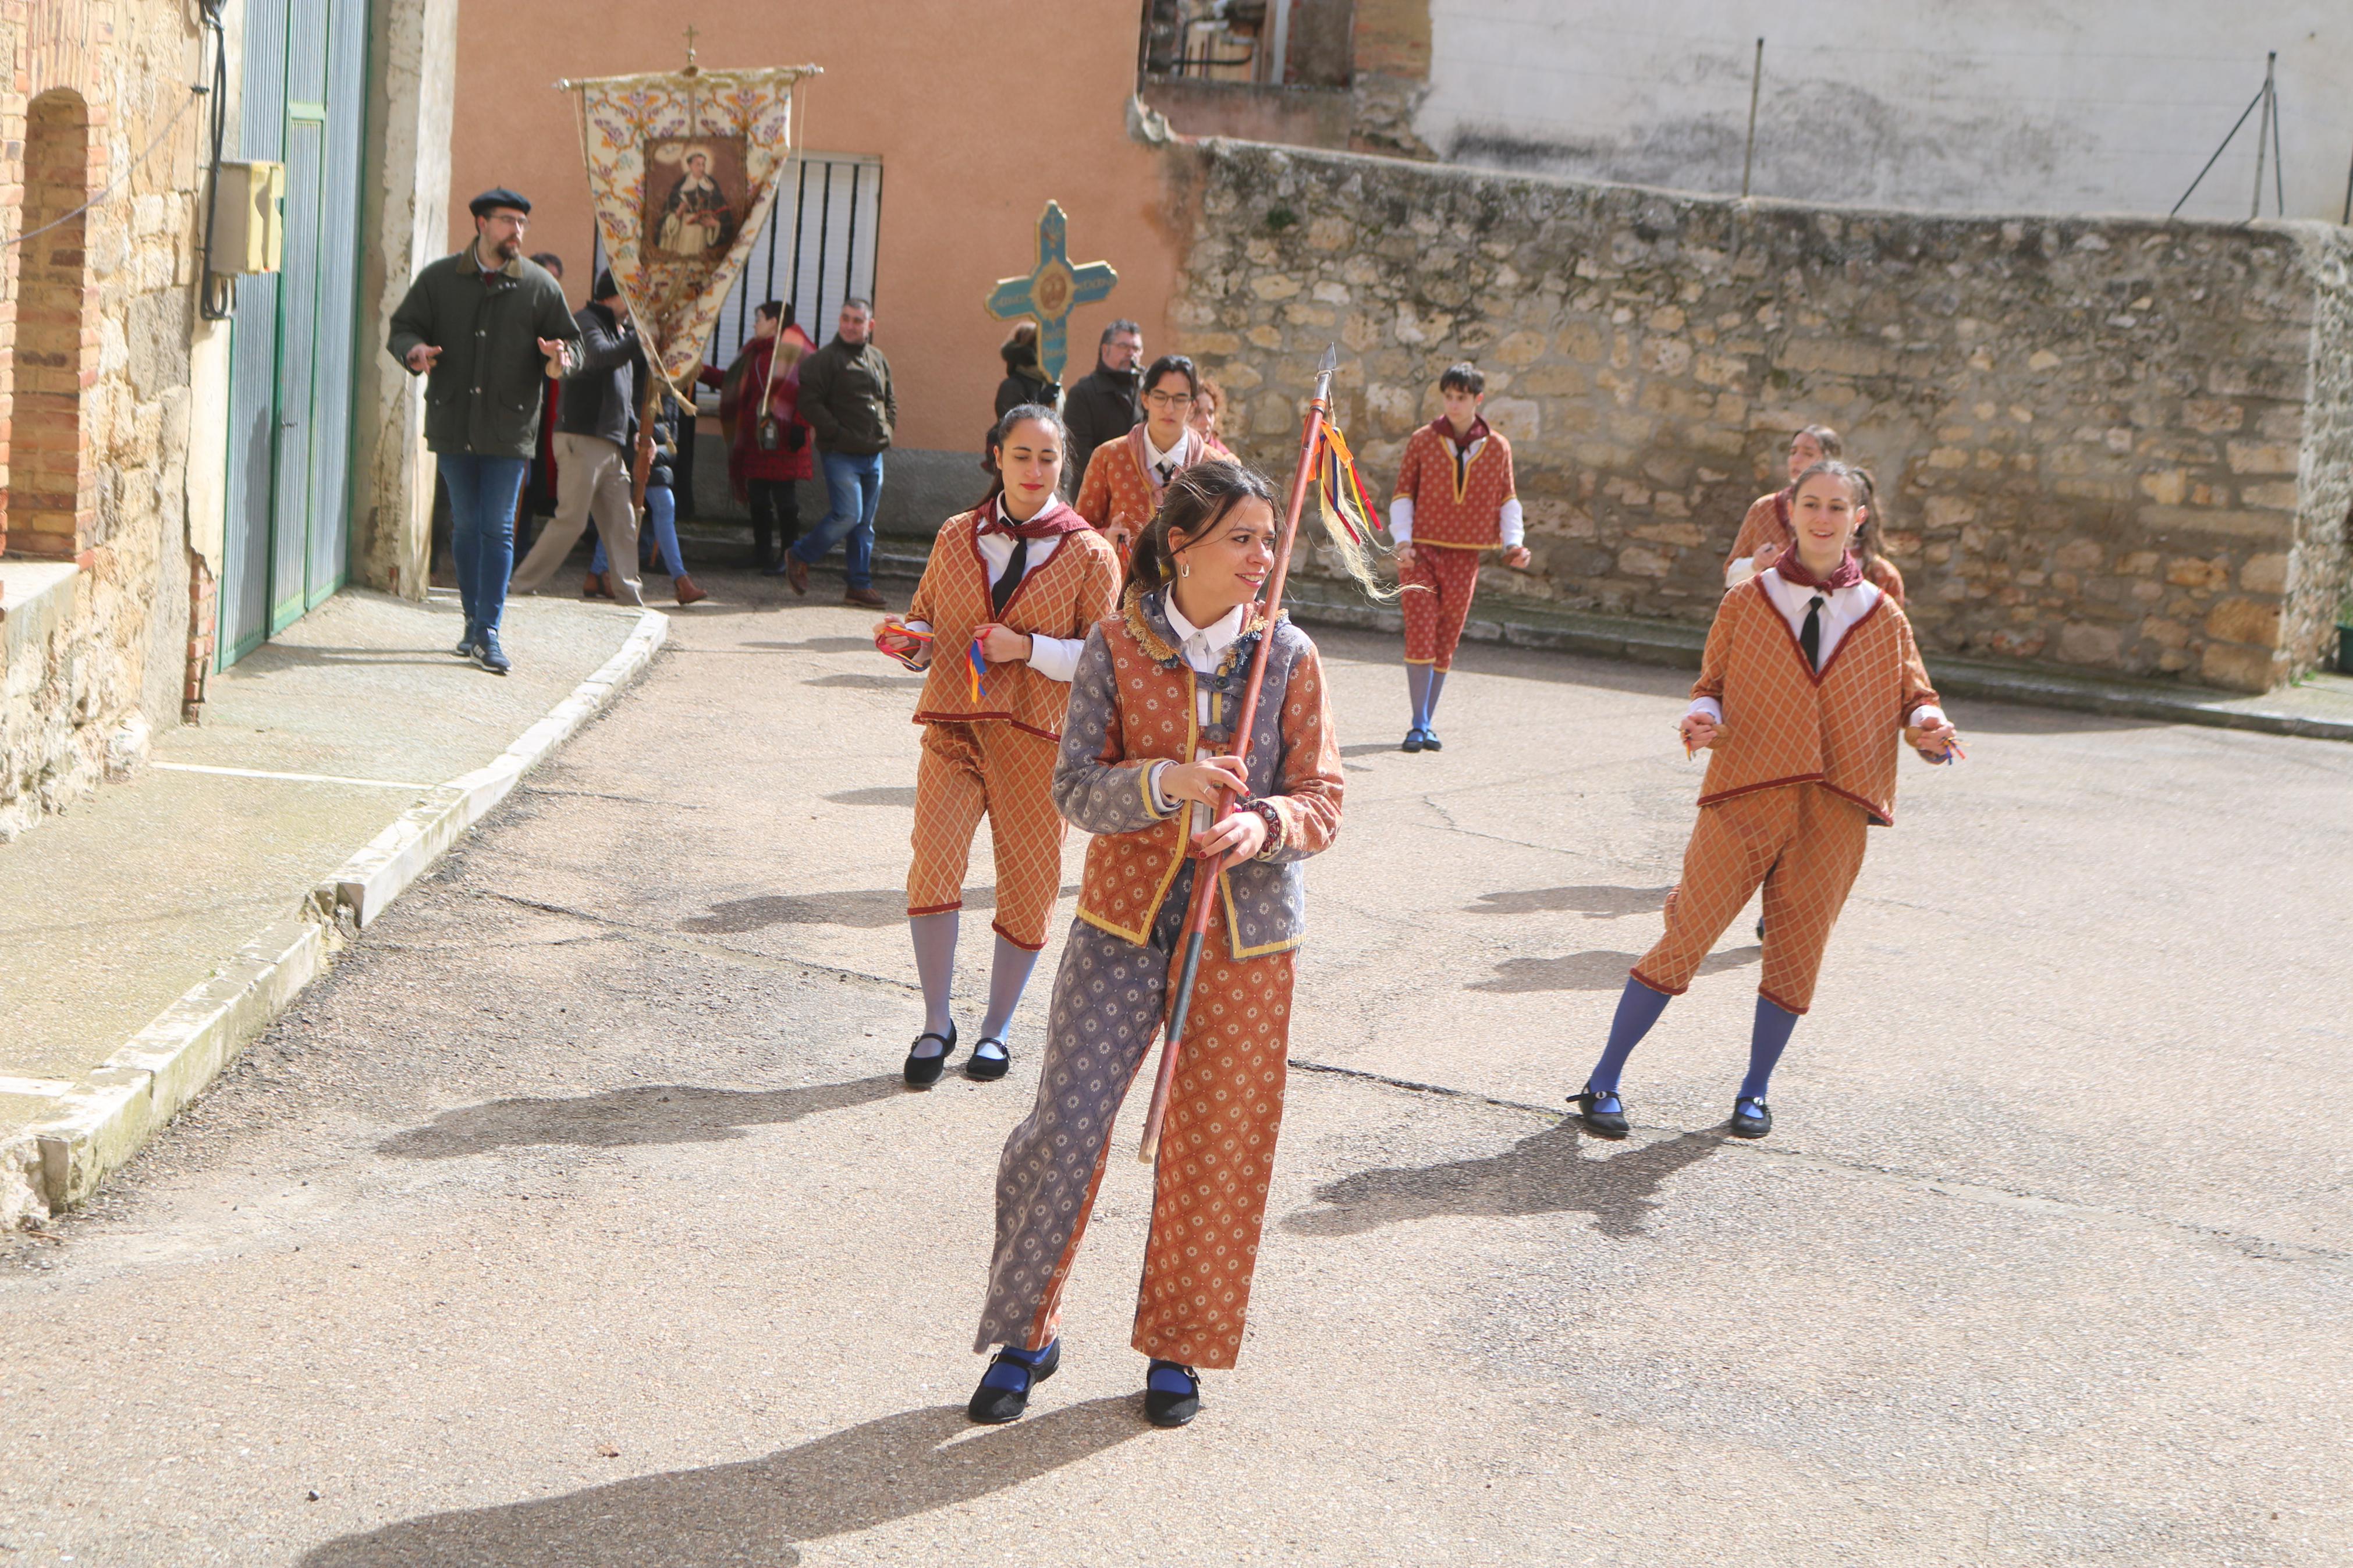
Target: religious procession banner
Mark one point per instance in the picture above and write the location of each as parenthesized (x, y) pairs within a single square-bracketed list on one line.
[(682, 168)]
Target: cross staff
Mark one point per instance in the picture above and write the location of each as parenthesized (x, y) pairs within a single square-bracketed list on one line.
[(1052, 288)]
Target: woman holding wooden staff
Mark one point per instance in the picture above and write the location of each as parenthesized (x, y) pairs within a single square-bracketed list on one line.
[(1150, 764)]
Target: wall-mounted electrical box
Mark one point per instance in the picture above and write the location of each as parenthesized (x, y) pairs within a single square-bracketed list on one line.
[(249, 218)]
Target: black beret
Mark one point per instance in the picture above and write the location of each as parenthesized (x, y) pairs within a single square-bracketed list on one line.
[(498, 196), (604, 288)]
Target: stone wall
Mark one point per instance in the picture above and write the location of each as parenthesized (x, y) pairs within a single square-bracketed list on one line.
[(2113, 444), (80, 668)]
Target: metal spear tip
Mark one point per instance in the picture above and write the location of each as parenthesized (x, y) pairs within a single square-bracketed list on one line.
[(1331, 360)]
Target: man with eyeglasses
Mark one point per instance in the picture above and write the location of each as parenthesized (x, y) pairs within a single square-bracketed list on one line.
[(1104, 405), (486, 327)]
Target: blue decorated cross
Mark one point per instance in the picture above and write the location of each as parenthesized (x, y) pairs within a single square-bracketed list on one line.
[(1052, 290)]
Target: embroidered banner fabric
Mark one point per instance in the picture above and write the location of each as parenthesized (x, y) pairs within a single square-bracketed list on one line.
[(682, 168)]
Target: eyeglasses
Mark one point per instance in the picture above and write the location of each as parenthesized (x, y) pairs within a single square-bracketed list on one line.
[(1169, 399)]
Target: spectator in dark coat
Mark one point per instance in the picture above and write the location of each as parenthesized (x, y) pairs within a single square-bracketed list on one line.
[(1026, 380), (484, 326), (1104, 405), (595, 435), (766, 467)]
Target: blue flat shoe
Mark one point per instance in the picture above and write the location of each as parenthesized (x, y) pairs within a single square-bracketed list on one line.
[(1004, 1390), (1171, 1393)]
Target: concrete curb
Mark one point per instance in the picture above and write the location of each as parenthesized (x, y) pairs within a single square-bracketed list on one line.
[(112, 1110)]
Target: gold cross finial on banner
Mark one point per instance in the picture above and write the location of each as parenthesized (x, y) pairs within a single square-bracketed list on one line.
[(690, 35)]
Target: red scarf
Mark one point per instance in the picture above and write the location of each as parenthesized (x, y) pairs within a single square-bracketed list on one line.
[(1463, 443), (1057, 517), (1845, 574)]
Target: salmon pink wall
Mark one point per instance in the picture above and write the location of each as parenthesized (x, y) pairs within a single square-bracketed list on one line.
[(980, 112)]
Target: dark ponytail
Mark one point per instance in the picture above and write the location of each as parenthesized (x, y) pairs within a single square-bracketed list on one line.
[(1195, 502), (1003, 428), (1867, 534)]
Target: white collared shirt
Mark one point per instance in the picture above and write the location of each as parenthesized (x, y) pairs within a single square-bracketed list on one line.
[(1056, 658), (1203, 648), (1153, 456), (1842, 610)]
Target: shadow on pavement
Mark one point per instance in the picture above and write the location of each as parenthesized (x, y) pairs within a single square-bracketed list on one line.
[(1593, 970), (1602, 903), (753, 1513), (867, 682), (1542, 1174), (820, 645), (868, 908), (884, 795), (643, 1113)]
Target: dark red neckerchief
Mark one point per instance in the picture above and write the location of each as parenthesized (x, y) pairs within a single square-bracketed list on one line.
[(1845, 574), (1058, 517), (1463, 443)]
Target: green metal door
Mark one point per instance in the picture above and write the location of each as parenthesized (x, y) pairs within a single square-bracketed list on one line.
[(294, 333)]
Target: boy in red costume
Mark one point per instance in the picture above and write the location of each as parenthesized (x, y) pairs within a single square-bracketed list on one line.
[(1454, 499)]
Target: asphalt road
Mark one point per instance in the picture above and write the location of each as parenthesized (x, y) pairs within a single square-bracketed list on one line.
[(578, 1217)]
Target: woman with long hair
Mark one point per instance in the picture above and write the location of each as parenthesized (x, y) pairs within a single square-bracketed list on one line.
[(1146, 754), (996, 623)]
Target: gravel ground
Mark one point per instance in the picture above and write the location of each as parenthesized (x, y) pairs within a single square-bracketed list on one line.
[(578, 1217)]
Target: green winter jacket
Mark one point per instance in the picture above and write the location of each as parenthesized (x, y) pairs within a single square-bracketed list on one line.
[(485, 391)]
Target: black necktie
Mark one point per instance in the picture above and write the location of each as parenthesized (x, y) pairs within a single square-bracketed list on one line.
[(1811, 639), (1012, 579), (1164, 470)]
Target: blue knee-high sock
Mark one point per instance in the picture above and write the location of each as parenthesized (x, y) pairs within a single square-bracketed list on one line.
[(1436, 689), (936, 945), (1769, 1038), (1417, 688), (1639, 1008)]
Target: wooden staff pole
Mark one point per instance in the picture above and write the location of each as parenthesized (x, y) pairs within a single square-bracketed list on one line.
[(1204, 872)]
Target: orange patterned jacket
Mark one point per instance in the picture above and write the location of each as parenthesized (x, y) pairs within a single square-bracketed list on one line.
[(1468, 516), (1133, 702), (1077, 586), (1785, 724), (1117, 494)]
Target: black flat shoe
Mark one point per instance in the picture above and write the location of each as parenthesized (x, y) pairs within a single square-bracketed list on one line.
[(925, 1071), (1751, 1118), (994, 1406), (988, 1062), (1608, 1123), (1430, 741), (1412, 740), (1171, 1407)]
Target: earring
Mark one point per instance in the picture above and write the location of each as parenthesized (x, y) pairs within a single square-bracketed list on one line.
[(1184, 568)]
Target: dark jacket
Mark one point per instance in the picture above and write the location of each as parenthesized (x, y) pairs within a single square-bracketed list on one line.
[(1029, 385), (846, 398), (484, 393), (600, 395), (1100, 407)]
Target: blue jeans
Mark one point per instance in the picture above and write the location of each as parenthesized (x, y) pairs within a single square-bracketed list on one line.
[(853, 488), (661, 516), (482, 491)]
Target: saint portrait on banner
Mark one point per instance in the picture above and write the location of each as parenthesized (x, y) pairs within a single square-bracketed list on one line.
[(695, 196)]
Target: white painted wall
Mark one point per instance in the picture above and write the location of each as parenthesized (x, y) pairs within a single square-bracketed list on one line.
[(1992, 105)]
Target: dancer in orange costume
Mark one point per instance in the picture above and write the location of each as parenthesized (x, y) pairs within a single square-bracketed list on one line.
[(1019, 579), (1810, 679), (1151, 713), (1455, 498), (1126, 478)]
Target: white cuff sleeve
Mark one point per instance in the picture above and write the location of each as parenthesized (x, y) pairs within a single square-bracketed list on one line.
[(1926, 714), (917, 626), (1707, 708), (1164, 804), (1056, 658), (1516, 527), (1401, 520), (1740, 571)]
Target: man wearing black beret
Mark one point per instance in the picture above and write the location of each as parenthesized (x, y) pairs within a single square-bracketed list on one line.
[(486, 326)]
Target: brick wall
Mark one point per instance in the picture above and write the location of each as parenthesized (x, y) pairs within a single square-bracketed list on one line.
[(2118, 444), (93, 320)]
